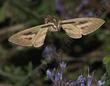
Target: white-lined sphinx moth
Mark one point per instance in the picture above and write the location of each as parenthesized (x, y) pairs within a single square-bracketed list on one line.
[(74, 28)]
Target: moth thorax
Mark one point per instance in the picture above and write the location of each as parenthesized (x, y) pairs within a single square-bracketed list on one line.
[(50, 19)]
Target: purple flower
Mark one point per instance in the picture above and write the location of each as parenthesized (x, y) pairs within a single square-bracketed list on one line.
[(50, 75), (100, 83), (81, 79), (49, 52), (89, 80), (73, 83), (62, 66), (58, 78)]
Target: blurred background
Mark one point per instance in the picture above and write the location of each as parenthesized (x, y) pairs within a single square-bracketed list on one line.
[(26, 66)]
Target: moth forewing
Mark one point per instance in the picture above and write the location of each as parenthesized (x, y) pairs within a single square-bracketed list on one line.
[(31, 36), (92, 26), (25, 37), (78, 20), (75, 28)]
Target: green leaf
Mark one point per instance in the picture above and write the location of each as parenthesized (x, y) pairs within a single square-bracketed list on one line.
[(2, 14), (106, 60), (29, 68)]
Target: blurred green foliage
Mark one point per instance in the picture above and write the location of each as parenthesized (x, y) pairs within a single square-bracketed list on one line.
[(15, 75), (2, 14), (106, 77)]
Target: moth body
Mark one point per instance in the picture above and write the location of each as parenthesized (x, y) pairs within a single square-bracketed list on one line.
[(55, 22)]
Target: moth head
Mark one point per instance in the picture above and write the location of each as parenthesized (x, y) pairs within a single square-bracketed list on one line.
[(51, 19)]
